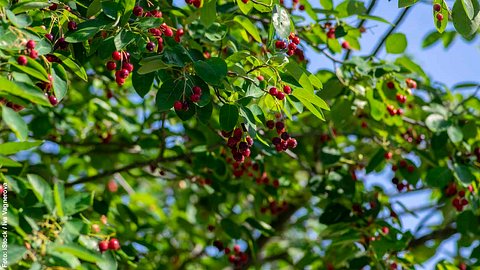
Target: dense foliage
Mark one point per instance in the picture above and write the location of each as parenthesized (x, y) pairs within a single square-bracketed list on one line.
[(148, 135)]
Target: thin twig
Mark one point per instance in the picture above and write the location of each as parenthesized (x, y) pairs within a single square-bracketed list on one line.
[(360, 24)]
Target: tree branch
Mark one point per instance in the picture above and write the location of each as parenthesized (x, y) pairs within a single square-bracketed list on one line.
[(390, 31), (360, 24), (123, 169), (444, 233)]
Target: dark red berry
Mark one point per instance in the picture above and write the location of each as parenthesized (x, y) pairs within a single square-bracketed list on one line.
[(273, 91), (276, 140), (49, 36), (439, 17), (22, 60), (128, 66), (72, 26), (346, 45), (270, 124), (33, 54), (178, 106), (53, 100), (279, 126), (280, 95), (287, 89), (388, 155), (123, 73), (292, 46), (296, 40), (138, 11), (437, 7), (150, 46), (53, 7), (390, 85), (197, 90), (30, 44), (195, 98), (249, 141), (111, 65)]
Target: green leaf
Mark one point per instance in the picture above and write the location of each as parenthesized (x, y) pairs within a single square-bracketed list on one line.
[(396, 43), (436, 122), (468, 7), (79, 251), (24, 90), (29, 5), (327, 4), (281, 21), (15, 122), (245, 7), (169, 92), (94, 8), (374, 18), (142, 83), (15, 253), (455, 134), (7, 162), (334, 213), (60, 78), (406, 3), (42, 190), (151, 64), (410, 65), (20, 21), (431, 39), (77, 203), (249, 27), (34, 69), (467, 222), (376, 160), (228, 117), (123, 38), (461, 21), (126, 9), (59, 198), (265, 228), (212, 71), (208, 12), (463, 173), (10, 148), (231, 228), (73, 66), (82, 34), (439, 177)]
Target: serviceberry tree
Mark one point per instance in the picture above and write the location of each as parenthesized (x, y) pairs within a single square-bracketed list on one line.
[(153, 135)]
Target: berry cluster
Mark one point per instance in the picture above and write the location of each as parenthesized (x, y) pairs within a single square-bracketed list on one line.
[(194, 97), (105, 245), (393, 111), (437, 8), (330, 30), (274, 207), (239, 258), (72, 26), (401, 98), (287, 90), (459, 202), (263, 179), (240, 148), (125, 66), (14, 107), (401, 185), (30, 46), (283, 142), (47, 88), (240, 168), (410, 136), (138, 12), (291, 47)]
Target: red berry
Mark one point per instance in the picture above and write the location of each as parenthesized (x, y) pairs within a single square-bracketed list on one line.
[(439, 17), (113, 244), (244, 1), (403, 163), (72, 26), (410, 168), (249, 141), (273, 91), (197, 3), (276, 140), (236, 249), (33, 54), (331, 33), (112, 186), (287, 89), (138, 11), (237, 133), (123, 73), (270, 124), (385, 230), (292, 143), (280, 95), (30, 44), (116, 55), (346, 45), (195, 98), (232, 258), (49, 36), (197, 90), (168, 32), (301, 7), (179, 32), (411, 83), (120, 81), (103, 246), (22, 60), (279, 126), (437, 7), (178, 106), (296, 40), (53, 7), (388, 155), (292, 46), (260, 78), (461, 193), (111, 65), (280, 44), (226, 250), (53, 100), (128, 66)]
